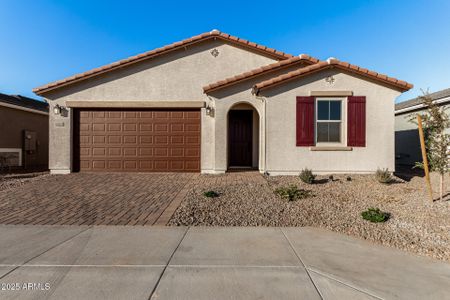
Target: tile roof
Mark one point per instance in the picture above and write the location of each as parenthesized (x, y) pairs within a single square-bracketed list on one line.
[(214, 34), (332, 63), (24, 102), (417, 101), (303, 58)]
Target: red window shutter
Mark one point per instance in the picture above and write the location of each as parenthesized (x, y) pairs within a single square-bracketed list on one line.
[(356, 121), (305, 121)]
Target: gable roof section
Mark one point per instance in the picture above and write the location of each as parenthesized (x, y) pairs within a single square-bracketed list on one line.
[(418, 100), (303, 58), (25, 102), (329, 64), (214, 34)]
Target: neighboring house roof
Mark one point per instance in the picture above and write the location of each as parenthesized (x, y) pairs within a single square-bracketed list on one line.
[(416, 103), (303, 58), (24, 102), (329, 64), (214, 34)]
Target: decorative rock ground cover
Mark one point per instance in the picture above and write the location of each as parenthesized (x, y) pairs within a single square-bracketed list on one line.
[(414, 225)]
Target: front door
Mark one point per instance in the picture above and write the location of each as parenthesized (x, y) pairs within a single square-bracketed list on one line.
[(240, 138)]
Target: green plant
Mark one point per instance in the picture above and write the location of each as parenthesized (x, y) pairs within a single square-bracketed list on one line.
[(435, 121), (292, 192), (375, 215), (211, 194), (383, 176), (307, 176)]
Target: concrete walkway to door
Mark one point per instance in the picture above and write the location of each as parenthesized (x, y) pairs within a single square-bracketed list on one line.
[(121, 262)]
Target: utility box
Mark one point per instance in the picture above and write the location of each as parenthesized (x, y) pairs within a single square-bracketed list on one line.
[(30, 141)]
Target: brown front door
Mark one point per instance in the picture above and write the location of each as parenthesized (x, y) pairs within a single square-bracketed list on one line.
[(146, 140), (240, 138)]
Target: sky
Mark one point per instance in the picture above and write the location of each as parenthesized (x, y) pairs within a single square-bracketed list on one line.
[(43, 41)]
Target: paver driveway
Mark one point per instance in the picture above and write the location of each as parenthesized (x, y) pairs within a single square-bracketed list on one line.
[(93, 199)]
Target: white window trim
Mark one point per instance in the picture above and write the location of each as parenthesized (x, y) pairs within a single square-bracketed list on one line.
[(343, 121)]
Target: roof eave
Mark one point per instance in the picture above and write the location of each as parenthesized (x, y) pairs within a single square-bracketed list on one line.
[(370, 75), (258, 72), (41, 90)]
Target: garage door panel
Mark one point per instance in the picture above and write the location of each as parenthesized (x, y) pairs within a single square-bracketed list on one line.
[(114, 164), (98, 165), (145, 152), (138, 140), (145, 127)]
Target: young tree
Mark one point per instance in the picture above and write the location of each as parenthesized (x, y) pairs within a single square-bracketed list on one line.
[(437, 140)]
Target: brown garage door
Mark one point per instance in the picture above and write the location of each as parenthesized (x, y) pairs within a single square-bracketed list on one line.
[(137, 140)]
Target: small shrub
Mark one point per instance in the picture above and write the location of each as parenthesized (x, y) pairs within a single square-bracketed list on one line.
[(307, 176), (349, 178), (383, 176), (211, 194), (292, 193), (375, 215)]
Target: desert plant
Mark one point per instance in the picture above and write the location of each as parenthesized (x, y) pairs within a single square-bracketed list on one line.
[(375, 215), (435, 121), (292, 193), (383, 176), (307, 176), (211, 194)]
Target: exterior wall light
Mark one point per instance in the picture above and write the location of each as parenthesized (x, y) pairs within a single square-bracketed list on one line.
[(57, 109), (209, 111)]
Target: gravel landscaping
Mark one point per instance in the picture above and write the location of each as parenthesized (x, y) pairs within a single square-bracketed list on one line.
[(414, 225), (8, 181)]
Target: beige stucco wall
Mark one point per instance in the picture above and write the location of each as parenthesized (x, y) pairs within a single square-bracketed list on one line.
[(284, 157), (178, 76), (278, 153)]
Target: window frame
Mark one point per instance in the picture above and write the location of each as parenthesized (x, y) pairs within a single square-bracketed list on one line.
[(342, 121)]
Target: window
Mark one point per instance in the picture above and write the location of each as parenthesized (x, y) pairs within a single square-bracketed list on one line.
[(329, 121)]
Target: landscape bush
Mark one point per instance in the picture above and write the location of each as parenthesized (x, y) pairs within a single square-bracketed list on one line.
[(307, 176), (292, 193), (211, 194), (375, 215), (383, 176)]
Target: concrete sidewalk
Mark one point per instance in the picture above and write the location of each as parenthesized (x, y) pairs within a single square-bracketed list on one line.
[(102, 262)]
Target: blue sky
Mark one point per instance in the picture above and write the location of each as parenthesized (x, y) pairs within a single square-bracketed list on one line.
[(43, 41)]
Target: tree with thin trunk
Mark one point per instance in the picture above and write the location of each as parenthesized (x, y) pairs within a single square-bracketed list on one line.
[(437, 140)]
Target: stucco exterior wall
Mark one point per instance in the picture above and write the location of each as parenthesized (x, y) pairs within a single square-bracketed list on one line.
[(235, 97), (407, 143), (13, 122), (177, 76), (284, 157)]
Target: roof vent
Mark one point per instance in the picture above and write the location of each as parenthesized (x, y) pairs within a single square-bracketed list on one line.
[(215, 31)]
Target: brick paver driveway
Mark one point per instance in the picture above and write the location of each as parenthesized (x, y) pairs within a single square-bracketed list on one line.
[(93, 199)]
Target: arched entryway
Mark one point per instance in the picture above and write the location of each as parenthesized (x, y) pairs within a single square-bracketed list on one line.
[(243, 137)]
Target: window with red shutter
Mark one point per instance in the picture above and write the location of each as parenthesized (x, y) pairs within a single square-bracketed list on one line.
[(356, 121), (305, 121)]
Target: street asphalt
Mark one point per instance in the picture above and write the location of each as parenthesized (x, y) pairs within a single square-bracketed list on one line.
[(131, 262)]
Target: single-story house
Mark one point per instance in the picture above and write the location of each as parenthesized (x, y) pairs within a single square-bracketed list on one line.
[(23, 133), (407, 143), (215, 102)]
